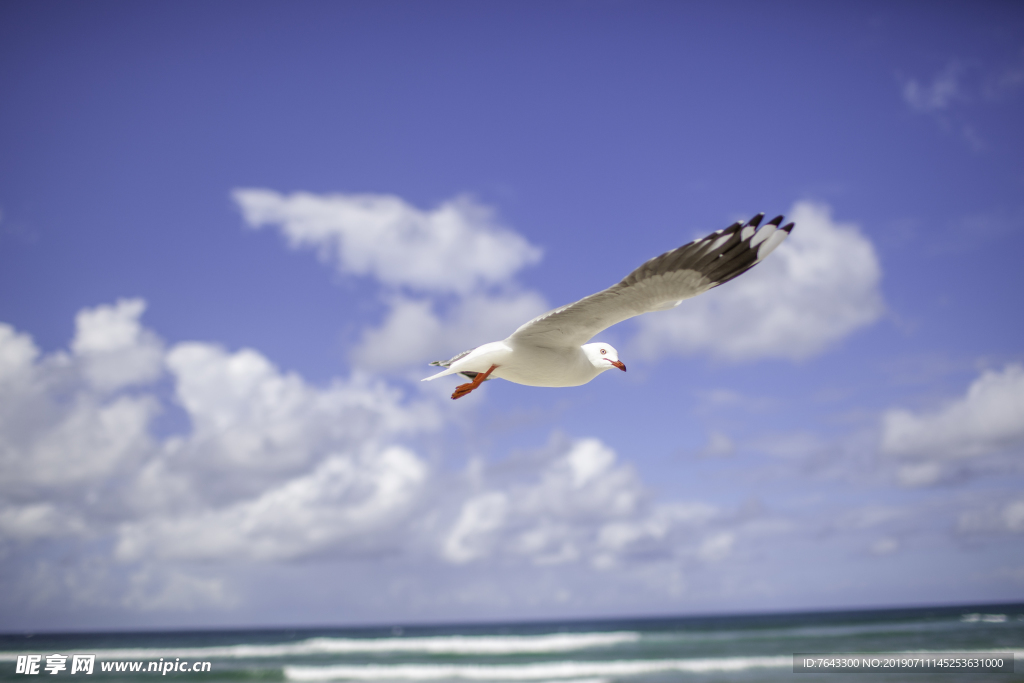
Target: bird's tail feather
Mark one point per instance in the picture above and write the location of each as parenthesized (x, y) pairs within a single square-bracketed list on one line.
[(443, 373)]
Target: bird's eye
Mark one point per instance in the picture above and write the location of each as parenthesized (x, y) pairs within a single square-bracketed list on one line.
[(603, 352)]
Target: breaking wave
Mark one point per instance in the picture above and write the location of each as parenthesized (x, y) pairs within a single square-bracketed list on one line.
[(457, 645), (567, 672)]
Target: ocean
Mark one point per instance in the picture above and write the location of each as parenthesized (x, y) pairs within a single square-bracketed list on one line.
[(656, 650)]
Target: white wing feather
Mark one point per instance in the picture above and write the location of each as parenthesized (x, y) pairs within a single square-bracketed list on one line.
[(659, 284)]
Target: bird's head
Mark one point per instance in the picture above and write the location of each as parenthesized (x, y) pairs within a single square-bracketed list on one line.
[(603, 356)]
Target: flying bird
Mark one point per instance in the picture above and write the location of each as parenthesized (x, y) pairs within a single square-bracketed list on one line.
[(552, 350)]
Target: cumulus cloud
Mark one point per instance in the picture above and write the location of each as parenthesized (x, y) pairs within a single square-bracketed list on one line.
[(60, 427), (449, 281), (548, 520), (819, 287), (83, 444), (17, 355), (456, 248), (268, 467), (254, 427), (471, 537), (350, 501), (36, 521), (987, 419), (448, 272), (246, 414), (114, 349), (582, 506)]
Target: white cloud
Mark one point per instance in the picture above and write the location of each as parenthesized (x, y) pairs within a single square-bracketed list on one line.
[(944, 89), (820, 286), (989, 418), (85, 444), (247, 415), (480, 517), (37, 520), (59, 432), (348, 500), (455, 248), (816, 290), (547, 520), (62, 424), (582, 506), (114, 349), (269, 466), (17, 356)]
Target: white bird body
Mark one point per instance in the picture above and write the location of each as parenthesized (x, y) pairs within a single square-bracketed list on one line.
[(535, 366), (551, 349)]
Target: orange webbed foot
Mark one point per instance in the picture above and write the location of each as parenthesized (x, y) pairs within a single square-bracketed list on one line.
[(464, 389)]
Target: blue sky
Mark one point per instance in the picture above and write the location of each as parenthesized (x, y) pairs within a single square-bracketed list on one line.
[(233, 234)]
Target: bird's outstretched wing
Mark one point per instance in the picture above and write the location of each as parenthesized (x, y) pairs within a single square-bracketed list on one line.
[(659, 284)]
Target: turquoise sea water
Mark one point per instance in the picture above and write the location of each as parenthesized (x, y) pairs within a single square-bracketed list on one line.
[(663, 650)]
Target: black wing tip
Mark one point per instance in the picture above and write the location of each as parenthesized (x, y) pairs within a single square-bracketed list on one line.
[(756, 220), (775, 221), (788, 227)]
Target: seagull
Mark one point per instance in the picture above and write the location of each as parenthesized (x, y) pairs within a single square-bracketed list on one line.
[(552, 350)]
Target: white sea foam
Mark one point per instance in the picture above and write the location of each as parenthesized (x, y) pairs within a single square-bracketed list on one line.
[(988, 618), (462, 645), (548, 672), (564, 672)]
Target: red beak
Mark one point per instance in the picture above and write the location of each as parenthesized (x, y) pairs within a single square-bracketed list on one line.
[(617, 363)]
